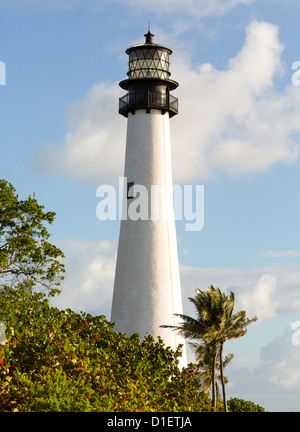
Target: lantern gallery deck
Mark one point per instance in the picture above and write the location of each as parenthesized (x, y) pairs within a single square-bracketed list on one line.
[(156, 100)]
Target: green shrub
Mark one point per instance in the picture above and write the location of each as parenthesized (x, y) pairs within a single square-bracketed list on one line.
[(240, 405), (58, 360)]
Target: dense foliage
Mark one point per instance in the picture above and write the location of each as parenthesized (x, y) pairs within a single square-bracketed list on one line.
[(27, 258), (57, 360), (240, 405)]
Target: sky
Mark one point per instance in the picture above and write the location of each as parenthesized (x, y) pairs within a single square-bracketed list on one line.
[(237, 134)]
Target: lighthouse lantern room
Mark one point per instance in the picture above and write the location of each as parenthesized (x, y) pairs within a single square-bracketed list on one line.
[(148, 82)]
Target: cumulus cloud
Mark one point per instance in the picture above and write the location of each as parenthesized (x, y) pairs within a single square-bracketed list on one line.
[(263, 291), (95, 143), (261, 299), (282, 357), (267, 291), (88, 284), (265, 369), (232, 120), (270, 377)]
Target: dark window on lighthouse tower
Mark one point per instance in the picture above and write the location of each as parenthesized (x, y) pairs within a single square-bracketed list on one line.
[(130, 190)]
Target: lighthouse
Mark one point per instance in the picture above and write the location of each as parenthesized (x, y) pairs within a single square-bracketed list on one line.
[(147, 291)]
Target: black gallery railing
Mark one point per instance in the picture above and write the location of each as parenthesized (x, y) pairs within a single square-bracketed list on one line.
[(148, 99)]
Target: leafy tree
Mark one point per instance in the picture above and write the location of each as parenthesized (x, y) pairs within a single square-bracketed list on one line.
[(27, 258), (215, 323), (240, 405), (58, 360)]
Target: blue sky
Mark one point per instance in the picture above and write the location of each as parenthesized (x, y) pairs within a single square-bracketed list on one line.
[(237, 133)]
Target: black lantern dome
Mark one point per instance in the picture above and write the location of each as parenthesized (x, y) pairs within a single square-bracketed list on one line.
[(148, 82)]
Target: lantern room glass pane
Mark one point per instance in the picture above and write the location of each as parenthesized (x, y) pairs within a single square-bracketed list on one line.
[(149, 54), (149, 63)]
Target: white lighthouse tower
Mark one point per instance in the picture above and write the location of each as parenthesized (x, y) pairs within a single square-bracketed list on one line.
[(147, 290)]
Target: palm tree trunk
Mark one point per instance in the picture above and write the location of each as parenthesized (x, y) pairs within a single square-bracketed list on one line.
[(222, 377), (213, 380)]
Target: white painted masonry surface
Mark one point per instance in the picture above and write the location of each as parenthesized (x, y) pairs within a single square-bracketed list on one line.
[(147, 290)]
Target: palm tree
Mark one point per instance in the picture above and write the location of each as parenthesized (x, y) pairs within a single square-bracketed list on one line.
[(205, 327), (204, 363), (235, 326), (215, 323)]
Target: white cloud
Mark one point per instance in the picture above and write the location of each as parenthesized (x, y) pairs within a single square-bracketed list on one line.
[(263, 291), (232, 120), (267, 291), (90, 266), (271, 377), (88, 283), (95, 143), (282, 357), (261, 300)]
